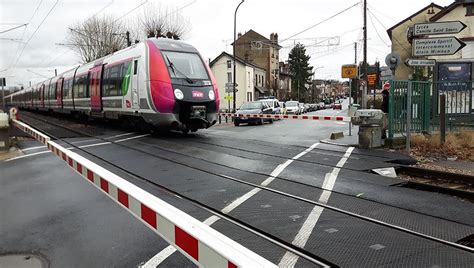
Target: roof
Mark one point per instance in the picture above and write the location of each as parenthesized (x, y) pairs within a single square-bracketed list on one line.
[(447, 9), (259, 38), (389, 31), (236, 58)]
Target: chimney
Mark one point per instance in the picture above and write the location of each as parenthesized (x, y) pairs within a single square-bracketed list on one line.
[(239, 35), (271, 36), (275, 36)]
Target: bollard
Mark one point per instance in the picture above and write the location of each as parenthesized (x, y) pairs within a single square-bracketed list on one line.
[(4, 132), (220, 120), (442, 117)]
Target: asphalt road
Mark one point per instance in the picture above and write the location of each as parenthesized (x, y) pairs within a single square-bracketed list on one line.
[(273, 177)]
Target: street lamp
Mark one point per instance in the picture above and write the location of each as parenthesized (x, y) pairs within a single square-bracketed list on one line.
[(235, 30)]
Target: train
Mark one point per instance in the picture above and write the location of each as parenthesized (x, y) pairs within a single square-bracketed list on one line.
[(160, 82)]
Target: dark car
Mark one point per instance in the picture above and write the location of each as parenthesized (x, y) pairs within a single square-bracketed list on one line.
[(253, 107)]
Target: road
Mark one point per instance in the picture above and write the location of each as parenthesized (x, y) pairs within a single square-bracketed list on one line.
[(278, 178)]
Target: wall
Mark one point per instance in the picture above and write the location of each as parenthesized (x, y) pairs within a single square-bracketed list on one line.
[(401, 45)]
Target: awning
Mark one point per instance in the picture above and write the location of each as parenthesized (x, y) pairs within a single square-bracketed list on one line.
[(259, 89)]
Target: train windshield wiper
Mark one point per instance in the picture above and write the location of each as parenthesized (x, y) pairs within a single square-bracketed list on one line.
[(174, 69)]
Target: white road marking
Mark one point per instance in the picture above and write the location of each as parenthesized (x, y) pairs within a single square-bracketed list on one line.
[(164, 254), (290, 259), (134, 137), (82, 146), (33, 148)]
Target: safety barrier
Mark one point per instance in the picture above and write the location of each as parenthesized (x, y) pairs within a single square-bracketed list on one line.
[(197, 241), (299, 117)]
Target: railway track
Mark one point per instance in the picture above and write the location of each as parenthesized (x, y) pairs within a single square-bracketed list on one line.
[(285, 244)]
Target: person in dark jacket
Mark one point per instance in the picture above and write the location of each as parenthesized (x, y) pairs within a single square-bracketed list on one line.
[(384, 106)]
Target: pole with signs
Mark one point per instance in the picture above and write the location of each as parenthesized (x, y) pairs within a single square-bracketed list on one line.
[(349, 71)]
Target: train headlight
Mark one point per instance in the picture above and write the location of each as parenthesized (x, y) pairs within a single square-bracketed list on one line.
[(211, 94), (178, 94)]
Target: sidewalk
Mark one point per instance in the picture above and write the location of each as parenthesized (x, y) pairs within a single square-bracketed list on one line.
[(348, 141)]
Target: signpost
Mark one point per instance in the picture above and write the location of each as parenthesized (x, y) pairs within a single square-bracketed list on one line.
[(229, 87), (417, 62), (436, 46), (445, 27), (349, 71)]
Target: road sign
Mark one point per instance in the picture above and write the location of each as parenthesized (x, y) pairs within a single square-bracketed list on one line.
[(436, 46), (417, 62), (229, 87), (445, 27), (392, 60), (228, 97), (372, 79), (386, 86), (349, 71)]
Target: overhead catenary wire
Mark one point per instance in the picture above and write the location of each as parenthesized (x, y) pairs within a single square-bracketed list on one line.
[(36, 30), (375, 28), (321, 22)]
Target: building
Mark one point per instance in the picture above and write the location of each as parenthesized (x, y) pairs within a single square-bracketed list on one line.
[(284, 87), (256, 49), (250, 79), (399, 36), (457, 11)]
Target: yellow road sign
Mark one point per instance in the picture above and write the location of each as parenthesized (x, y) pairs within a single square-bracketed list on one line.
[(349, 71), (228, 98)]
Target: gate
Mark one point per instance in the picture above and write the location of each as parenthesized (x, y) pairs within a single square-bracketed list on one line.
[(425, 109)]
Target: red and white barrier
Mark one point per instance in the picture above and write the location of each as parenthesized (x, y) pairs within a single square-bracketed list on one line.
[(199, 242), (298, 117)]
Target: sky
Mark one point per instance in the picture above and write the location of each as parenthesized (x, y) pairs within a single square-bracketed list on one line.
[(31, 53)]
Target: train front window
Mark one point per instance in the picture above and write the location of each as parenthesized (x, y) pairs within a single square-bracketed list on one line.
[(185, 65)]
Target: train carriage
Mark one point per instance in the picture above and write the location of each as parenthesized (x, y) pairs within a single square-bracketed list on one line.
[(160, 82)]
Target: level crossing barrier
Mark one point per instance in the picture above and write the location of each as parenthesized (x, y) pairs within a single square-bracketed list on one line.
[(200, 243)]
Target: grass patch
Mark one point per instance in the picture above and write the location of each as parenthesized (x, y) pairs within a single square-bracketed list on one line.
[(459, 145)]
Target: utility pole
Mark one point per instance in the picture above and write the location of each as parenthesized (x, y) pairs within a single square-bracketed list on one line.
[(127, 34), (364, 93), (355, 82), (235, 33)]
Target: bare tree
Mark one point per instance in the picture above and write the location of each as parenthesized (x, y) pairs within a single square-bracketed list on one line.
[(97, 37), (158, 22)]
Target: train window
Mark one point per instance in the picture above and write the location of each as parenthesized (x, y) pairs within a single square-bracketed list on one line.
[(67, 89), (80, 87), (185, 65), (114, 78), (135, 67)]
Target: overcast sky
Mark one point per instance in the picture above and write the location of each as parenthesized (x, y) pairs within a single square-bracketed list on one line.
[(211, 29)]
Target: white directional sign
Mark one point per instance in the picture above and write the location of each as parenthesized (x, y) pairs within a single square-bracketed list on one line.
[(229, 87), (445, 27), (436, 46), (417, 62)]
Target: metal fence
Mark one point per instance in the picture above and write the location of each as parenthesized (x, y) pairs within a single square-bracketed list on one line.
[(423, 99)]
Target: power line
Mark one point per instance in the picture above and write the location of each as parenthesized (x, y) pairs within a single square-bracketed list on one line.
[(375, 28), (135, 8), (321, 22), (106, 6), (11, 29), (36, 30)]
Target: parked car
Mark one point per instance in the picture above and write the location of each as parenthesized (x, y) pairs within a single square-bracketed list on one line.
[(337, 105), (321, 106), (292, 107), (253, 107), (274, 104)]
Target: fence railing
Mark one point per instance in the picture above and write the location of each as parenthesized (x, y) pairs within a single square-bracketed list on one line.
[(425, 105)]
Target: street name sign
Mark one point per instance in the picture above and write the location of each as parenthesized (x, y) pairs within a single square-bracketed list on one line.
[(445, 27), (229, 87), (349, 71), (417, 62), (436, 46)]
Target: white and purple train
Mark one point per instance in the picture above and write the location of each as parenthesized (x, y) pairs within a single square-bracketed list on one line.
[(159, 82)]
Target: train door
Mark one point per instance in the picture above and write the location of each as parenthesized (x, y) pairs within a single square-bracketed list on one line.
[(135, 93), (42, 95), (59, 93), (95, 75)]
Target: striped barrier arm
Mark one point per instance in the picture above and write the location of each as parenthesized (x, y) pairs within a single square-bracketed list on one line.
[(198, 242), (298, 117), (32, 132)]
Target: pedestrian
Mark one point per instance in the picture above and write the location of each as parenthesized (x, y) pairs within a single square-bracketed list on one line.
[(384, 108)]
